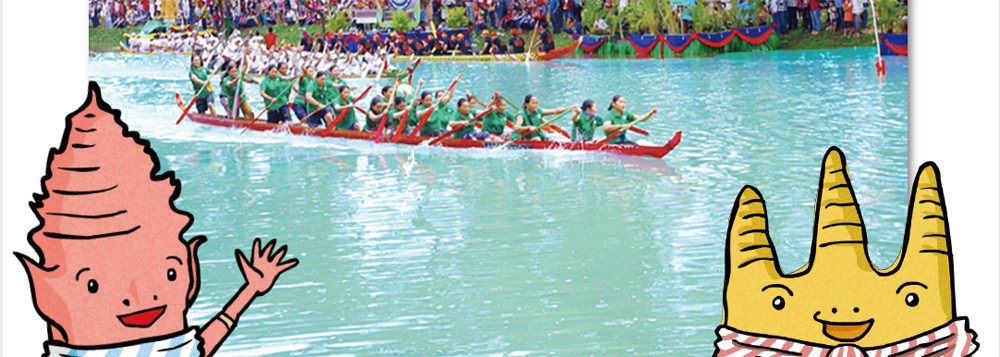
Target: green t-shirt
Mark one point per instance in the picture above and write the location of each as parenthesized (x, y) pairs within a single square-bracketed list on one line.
[(494, 122), (201, 74), (337, 82), (304, 84), (465, 118), (275, 88), (532, 120), (324, 95), (349, 118), (372, 124), (231, 91), (616, 119), (438, 120), (584, 127)]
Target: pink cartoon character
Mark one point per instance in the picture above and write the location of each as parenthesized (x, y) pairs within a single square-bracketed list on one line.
[(115, 276)]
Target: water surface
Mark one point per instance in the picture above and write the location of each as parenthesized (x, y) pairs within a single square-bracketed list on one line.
[(420, 251)]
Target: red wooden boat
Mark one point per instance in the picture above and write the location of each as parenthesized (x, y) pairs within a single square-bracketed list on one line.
[(634, 150)]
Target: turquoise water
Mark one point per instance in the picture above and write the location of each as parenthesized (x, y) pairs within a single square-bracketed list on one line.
[(421, 251)]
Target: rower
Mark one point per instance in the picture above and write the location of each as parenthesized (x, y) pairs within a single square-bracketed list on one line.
[(462, 116), (343, 102), (584, 125), (199, 78), (317, 98), (231, 84), (396, 112), (274, 89), (305, 82), (374, 114), (531, 116), (495, 121), (618, 118)]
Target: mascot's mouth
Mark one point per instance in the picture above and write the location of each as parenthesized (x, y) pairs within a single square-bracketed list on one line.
[(143, 318), (845, 331)]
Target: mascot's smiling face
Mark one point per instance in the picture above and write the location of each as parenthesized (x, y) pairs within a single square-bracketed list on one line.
[(839, 297)]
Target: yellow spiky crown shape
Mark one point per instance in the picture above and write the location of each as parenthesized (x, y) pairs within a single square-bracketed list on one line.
[(839, 296)]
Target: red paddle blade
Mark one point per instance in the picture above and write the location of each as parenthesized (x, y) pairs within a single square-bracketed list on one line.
[(186, 110), (381, 127), (402, 126), (639, 131), (423, 121)]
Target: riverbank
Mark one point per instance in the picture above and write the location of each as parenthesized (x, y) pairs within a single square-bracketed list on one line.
[(106, 40)]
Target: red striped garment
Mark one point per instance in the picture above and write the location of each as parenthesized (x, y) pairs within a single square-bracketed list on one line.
[(952, 340)]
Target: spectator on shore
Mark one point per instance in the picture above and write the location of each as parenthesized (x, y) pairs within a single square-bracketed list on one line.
[(270, 39), (814, 14)]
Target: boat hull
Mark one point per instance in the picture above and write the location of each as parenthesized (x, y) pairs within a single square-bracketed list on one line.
[(632, 150)]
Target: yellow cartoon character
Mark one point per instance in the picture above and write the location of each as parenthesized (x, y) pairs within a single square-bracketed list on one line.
[(840, 304)]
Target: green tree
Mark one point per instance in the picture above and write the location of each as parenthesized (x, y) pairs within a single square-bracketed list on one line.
[(402, 21)]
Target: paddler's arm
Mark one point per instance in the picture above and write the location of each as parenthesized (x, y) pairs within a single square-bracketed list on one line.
[(611, 128), (518, 125), (313, 101), (399, 114), (266, 97), (557, 111), (576, 115), (348, 105), (198, 81)]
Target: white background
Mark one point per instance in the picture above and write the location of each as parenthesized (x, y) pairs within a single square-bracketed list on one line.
[(954, 121)]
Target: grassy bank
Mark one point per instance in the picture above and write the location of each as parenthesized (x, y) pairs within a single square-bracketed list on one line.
[(104, 40)]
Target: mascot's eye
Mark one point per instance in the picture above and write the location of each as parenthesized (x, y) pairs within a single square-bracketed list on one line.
[(92, 286), (912, 299), (778, 303), (171, 275)]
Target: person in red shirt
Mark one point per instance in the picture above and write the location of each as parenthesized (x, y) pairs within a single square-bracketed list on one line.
[(270, 38)]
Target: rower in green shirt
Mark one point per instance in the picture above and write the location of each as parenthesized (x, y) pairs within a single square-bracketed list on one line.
[(396, 112), (343, 102), (585, 125), (302, 85), (530, 118), (374, 114), (231, 84), (462, 116), (495, 122), (618, 118), (440, 118), (318, 98), (275, 89), (199, 78)]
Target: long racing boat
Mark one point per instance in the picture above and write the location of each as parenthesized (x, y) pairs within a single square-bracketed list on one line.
[(633, 150)]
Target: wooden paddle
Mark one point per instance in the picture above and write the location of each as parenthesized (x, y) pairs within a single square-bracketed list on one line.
[(619, 131), (460, 126), (434, 106)]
